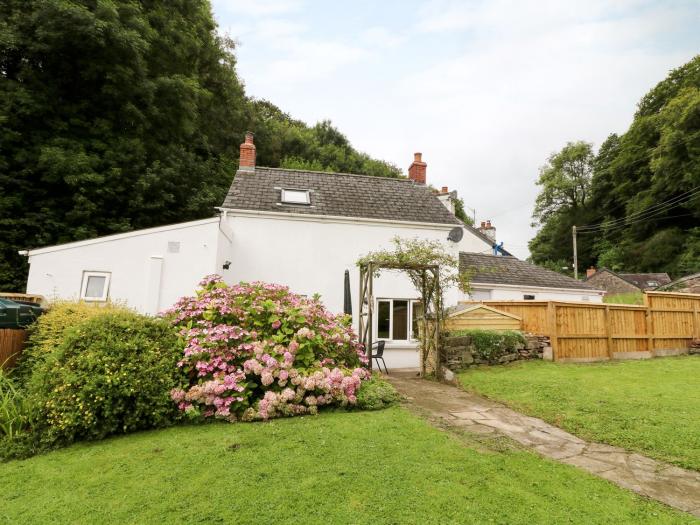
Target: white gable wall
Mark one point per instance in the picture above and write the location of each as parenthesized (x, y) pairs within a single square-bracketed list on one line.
[(311, 253), (307, 253), (143, 273)]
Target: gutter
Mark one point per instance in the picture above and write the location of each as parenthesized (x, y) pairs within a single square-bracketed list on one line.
[(337, 218)]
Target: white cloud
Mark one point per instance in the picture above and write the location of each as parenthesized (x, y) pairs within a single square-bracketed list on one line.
[(486, 89)]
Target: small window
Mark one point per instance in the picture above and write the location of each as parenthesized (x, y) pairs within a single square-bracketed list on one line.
[(296, 197), (397, 319), (383, 319), (95, 286), (400, 328), (652, 283), (529, 297)]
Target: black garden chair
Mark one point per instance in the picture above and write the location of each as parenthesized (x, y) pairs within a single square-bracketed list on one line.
[(378, 355)]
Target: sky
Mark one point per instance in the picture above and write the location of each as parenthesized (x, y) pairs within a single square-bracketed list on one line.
[(486, 90)]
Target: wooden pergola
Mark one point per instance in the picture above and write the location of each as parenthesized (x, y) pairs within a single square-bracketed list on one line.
[(429, 324)]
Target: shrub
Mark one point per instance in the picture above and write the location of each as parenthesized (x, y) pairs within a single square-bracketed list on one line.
[(13, 413), (255, 351), (376, 393), (48, 332), (109, 374), (489, 345)]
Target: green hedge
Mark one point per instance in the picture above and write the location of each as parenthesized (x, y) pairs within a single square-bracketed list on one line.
[(111, 374), (490, 344)]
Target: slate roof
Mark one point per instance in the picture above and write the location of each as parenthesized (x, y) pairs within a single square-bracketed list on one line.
[(339, 194), (493, 269), (637, 279), (640, 279)]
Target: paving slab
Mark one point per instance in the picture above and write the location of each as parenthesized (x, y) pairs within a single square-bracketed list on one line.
[(674, 486)]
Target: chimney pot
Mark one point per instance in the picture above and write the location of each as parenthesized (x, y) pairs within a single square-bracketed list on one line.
[(416, 171), (247, 156), (488, 230), (445, 190)]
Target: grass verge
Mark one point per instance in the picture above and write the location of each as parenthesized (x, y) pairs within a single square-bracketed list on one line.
[(360, 467), (650, 406)]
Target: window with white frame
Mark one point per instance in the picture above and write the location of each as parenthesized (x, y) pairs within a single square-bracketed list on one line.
[(296, 197), (397, 319), (95, 286)]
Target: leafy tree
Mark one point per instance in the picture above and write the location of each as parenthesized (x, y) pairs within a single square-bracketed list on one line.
[(565, 180), (124, 114), (643, 190), (115, 115)]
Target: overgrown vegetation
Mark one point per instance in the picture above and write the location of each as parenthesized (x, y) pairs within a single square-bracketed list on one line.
[(489, 345), (110, 374), (382, 467), (625, 298), (150, 104), (13, 413), (49, 331), (650, 406), (639, 189)]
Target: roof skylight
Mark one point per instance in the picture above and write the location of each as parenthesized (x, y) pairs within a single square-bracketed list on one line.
[(296, 197)]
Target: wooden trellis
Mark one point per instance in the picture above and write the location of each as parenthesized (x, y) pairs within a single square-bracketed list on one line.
[(429, 323)]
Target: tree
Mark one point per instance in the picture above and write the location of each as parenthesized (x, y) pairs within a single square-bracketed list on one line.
[(565, 181), (115, 115), (643, 198), (124, 114), (566, 186)]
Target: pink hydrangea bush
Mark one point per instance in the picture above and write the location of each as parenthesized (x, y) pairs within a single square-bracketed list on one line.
[(257, 351)]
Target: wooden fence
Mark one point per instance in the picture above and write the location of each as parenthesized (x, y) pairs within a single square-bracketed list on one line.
[(665, 325), (11, 345)]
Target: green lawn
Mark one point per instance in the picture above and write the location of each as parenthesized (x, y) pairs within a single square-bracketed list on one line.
[(625, 298), (650, 406), (371, 467)]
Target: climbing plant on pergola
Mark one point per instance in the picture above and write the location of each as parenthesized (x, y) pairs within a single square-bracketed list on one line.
[(428, 324), (430, 269)]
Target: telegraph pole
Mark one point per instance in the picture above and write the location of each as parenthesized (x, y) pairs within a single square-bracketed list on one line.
[(573, 236)]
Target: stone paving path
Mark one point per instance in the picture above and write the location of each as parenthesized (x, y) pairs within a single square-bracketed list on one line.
[(671, 485)]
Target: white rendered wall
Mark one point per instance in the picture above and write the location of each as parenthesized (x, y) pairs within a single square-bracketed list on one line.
[(310, 255), (541, 294), (144, 274)]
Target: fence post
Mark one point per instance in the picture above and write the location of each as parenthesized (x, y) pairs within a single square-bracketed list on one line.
[(552, 323), (696, 318), (608, 332), (649, 324)]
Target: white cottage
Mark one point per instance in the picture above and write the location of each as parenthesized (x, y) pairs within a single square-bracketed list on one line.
[(298, 228)]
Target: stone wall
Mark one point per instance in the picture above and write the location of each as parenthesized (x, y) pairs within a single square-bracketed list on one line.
[(694, 347), (459, 352)]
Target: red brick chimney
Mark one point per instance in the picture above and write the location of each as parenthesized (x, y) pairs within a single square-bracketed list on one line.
[(247, 158), (590, 271), (416, 171), (488, 229)]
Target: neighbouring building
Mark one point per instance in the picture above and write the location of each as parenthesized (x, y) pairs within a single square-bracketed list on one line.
[(506, 278), (687, 284), (302, 229), (617, 282)]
